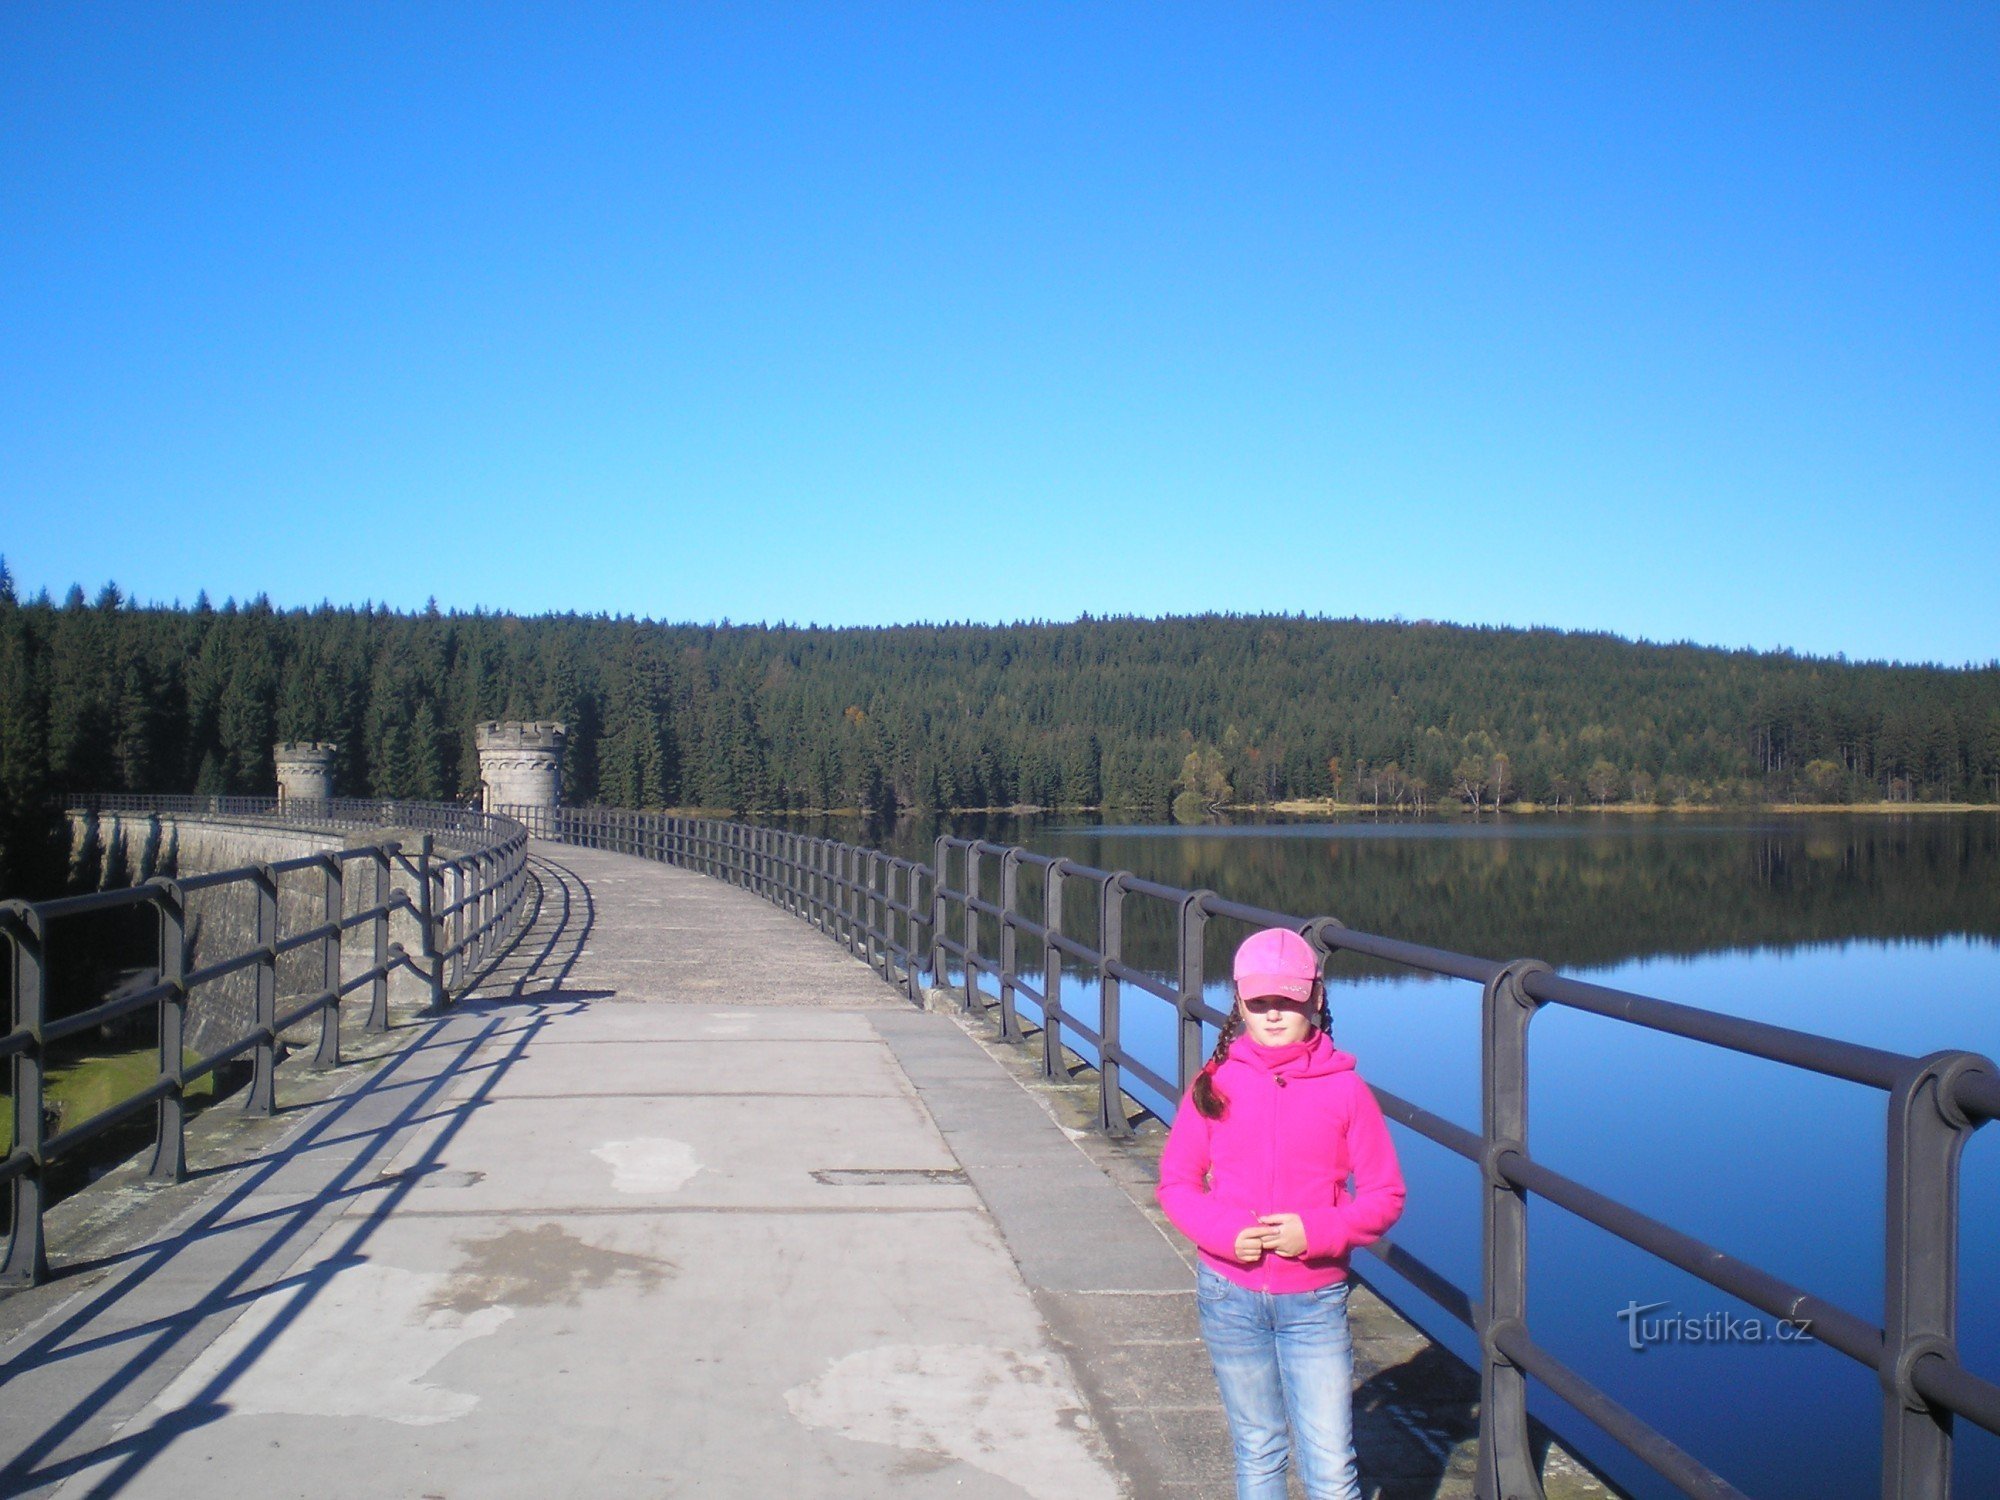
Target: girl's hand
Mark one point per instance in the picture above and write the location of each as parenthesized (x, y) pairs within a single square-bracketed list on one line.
[(1285, 1234), (1251, 1243)]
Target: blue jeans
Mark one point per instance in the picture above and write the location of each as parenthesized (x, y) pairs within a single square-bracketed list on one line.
[(1283, 1358)]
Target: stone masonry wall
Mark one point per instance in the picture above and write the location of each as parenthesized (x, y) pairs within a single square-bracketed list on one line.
[(121, 849)]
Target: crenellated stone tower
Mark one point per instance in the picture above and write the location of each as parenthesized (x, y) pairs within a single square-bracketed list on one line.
[(520, 765), (305, 771)]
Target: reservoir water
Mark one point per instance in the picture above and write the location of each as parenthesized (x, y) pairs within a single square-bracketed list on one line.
[(1883, 930)]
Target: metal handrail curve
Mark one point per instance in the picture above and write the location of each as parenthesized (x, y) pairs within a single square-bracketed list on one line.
[(466, 898)]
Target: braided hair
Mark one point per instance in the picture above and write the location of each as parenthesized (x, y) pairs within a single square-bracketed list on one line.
[(1206, 1098), (1209, 1099)]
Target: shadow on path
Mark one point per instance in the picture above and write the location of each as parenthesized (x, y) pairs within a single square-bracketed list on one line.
[(69, 1384)]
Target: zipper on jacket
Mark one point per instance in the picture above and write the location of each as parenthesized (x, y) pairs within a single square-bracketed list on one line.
[(1271, 1162)]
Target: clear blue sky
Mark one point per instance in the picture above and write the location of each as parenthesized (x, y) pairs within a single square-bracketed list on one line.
[(1680, 321)]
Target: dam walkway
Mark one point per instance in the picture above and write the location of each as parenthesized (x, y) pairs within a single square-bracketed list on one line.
[(683, 1199)]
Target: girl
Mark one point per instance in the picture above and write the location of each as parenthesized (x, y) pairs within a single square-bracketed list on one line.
[(1255, 1171)]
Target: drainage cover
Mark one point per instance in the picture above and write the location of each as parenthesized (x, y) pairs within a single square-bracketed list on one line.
[(889, 1176)]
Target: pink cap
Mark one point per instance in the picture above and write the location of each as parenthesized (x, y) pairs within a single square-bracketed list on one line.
[(1276, 961)]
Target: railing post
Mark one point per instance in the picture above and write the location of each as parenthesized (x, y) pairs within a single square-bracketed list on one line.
[(1010, 888), (885, 918), (1052, 970), (332, 904), (378, 991), (262, 1098), (427, 922), (482, 906), (825, 885), (27, 1261), (940, 852), (970, 1001), (878, 945), (1191, 983), (859, 903), (844, 861), (808, 878), (1111, 952), (1506, 1465), (864, 942), (836, 891), (497, 881), (170, 1119), (455, 925), (829, 888), (850, 897), (885, 908), (857, 911), (912, 985), (1927, 1134)]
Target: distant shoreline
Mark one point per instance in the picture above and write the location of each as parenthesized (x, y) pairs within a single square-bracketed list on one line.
[(1313, 805), (1304, 806)]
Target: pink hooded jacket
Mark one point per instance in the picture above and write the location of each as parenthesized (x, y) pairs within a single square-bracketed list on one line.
[(1299, 1122)]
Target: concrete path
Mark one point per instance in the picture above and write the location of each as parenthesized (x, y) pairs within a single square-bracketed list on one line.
[(664, 1214)]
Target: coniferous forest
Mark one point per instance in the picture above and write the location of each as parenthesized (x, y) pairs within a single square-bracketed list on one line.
[(1145, 716)]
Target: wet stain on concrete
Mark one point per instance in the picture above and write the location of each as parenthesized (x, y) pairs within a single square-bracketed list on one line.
[(540, 1267)]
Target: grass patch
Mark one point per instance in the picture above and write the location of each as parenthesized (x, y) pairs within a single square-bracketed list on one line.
[(89, 1085)]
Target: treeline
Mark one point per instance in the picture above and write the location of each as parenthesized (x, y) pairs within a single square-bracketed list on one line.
[(1132, 714)]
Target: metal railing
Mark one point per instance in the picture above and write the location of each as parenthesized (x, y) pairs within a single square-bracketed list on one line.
[(897, 914), (465, 902)]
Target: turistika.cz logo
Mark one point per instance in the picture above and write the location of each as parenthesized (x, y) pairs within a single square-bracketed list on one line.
[(1643, 1332)]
